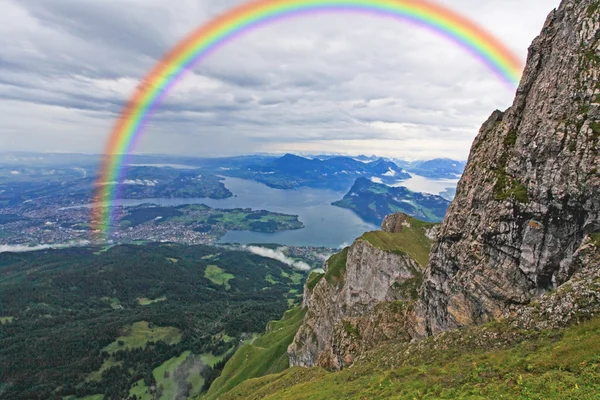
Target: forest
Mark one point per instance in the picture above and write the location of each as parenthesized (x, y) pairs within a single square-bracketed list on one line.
[(86, 321)]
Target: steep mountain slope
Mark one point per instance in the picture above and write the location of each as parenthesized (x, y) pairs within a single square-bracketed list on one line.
[(526, 356), (265, 355), (531, 190), (364, 296), (373, 201)]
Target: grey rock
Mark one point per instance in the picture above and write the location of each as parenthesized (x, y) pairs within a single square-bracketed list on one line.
[(358, 311), (530, 191)]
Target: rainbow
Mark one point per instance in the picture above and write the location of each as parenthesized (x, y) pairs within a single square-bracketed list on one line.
[(210, 37)]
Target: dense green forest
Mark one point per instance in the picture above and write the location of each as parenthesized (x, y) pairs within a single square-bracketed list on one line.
[(158, 320)]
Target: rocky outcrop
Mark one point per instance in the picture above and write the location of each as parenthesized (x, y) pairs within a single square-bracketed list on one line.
[(367, 303), (531, 189), (516, 233)]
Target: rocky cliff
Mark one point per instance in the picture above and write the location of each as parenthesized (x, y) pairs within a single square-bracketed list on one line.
[(530, 191), (365, 295), (526, 207)]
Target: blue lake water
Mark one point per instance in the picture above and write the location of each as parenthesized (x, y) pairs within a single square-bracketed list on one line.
[(325, 225)]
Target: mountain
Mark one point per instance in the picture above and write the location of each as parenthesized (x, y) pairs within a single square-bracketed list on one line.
[(439, 168), (505, 304), (373, 201), (360, 299), (530, 195), (336, 173)]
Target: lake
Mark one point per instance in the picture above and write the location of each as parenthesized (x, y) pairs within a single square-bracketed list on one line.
[(325, 225)]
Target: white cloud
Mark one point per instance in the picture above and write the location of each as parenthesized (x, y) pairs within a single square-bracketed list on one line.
[(278, 255), (67, 67), (4, 248)]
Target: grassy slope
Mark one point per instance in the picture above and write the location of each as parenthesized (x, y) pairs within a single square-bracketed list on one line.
[(551, 365), (410, 240), (266, 355), (336, 265)]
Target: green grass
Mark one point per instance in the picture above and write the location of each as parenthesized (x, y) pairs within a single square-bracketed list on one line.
[(144, 301), (411, 241), (313, 279), (113, 302), (336, 265), (550, 365), (92, 397), (295, 277), (270, 279), (196, 380), (266, 355), (140, 390), (595, 238), (210, 359), (108, 364), (6, 320), (592, 8), (510, 139), (218, 276), (164, 375), (141, 333)]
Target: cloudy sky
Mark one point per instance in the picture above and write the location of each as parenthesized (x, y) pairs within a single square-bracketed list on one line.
[(328, 83)]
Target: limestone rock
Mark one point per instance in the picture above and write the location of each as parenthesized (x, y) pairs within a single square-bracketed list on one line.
[(370, 303), (530, 191)]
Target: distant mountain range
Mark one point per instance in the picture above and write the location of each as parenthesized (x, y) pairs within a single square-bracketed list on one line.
[(148, 173), (337, 173), (439, 168), (373, 201)]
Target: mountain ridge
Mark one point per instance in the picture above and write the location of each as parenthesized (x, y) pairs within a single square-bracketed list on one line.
[(373, 201)]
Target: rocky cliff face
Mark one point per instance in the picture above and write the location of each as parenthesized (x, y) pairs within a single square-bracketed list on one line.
[(365, 301), (526, 212), (531, 190)]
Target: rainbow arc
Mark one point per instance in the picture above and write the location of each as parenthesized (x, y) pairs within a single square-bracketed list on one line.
[(207, 39)]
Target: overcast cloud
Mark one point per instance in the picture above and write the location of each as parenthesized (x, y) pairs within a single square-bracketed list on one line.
[(327, 83)]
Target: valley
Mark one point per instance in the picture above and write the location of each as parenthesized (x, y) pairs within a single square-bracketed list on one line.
[(136, 319)]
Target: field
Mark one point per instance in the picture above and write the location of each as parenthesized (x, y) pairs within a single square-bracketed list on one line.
[(165, 376), (6, 320), (218, 276), (108, 364), (141, 333), (140, 391), (144, 301)]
